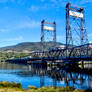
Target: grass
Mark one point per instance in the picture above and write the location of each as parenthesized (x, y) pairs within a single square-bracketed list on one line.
[(17, 87)]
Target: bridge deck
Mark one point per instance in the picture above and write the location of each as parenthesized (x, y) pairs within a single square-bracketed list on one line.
[(41, 60)]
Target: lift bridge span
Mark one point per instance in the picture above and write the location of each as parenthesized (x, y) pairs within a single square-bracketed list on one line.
[(77, 47)]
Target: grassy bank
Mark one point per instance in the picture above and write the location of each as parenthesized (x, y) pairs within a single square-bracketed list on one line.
[(17, 87)]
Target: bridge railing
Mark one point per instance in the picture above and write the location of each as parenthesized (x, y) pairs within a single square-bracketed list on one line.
[(81, 51)]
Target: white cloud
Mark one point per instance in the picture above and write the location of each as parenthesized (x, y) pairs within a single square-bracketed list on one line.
[(45, 6), (62, 3), (4, 30), (61, 38), (17, 39), (11, 41), (24, 23), (34, 8), (3, 1), (28, 24), (85, 1), (90, 35)]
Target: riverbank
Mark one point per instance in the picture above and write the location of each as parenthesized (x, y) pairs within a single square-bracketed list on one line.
[(17, 87)]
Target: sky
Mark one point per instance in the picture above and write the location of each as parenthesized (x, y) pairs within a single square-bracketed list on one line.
[(20, 20)]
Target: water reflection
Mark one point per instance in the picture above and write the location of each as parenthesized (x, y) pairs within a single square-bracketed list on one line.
[(39, 76)]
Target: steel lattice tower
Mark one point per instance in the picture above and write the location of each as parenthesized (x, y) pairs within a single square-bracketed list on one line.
[(48, 33), (75, 26)]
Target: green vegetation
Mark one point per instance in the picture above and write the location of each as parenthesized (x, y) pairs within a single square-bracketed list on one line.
[(17, 87), (13, 84), (52, 89), (7, 55)]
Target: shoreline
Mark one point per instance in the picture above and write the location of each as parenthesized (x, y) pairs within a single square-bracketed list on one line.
[(17, 87)]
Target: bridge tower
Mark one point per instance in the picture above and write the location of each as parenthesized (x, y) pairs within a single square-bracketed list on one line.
[(48, 33), (75, 26)]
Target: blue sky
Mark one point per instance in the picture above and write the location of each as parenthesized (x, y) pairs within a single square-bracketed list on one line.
[(20, 20)]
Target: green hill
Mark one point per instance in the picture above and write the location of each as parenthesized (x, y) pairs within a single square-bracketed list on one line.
[(29, 46)]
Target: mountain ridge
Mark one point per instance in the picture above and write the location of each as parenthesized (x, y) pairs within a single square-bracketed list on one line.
[(30, 46)]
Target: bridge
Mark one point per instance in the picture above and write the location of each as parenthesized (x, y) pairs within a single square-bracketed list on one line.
[(76, 48), (76, 54), (83, 52)]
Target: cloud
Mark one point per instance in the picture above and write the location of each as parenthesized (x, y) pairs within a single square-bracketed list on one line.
[(34, 8), (11, 41), (20, 24), (61, 38), (46, 6), (4, 30), (28, 24), (89, 35), (62, 3), (85, 1), (17, 39), (3, 1)]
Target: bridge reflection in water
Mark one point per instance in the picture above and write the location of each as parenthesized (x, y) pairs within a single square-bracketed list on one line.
[(79, 79), (39, 76)]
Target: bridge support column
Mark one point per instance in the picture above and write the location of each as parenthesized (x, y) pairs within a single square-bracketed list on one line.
[(82, 64), (66, 62)]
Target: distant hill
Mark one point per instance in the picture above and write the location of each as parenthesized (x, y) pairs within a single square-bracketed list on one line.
[(29, 46)]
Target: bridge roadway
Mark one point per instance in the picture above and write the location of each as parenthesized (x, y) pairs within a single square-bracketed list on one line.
[(76, 54), (52, 59)]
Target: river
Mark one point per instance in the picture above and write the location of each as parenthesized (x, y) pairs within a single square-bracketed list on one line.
[(37, 75)]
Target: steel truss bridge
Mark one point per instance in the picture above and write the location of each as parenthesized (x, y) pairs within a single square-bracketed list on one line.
[(77, 47), (77, 53)]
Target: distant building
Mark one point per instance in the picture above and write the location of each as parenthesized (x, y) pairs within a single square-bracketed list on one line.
[(60, 47)]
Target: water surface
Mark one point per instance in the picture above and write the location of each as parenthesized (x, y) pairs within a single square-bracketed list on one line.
[(44, 76)]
